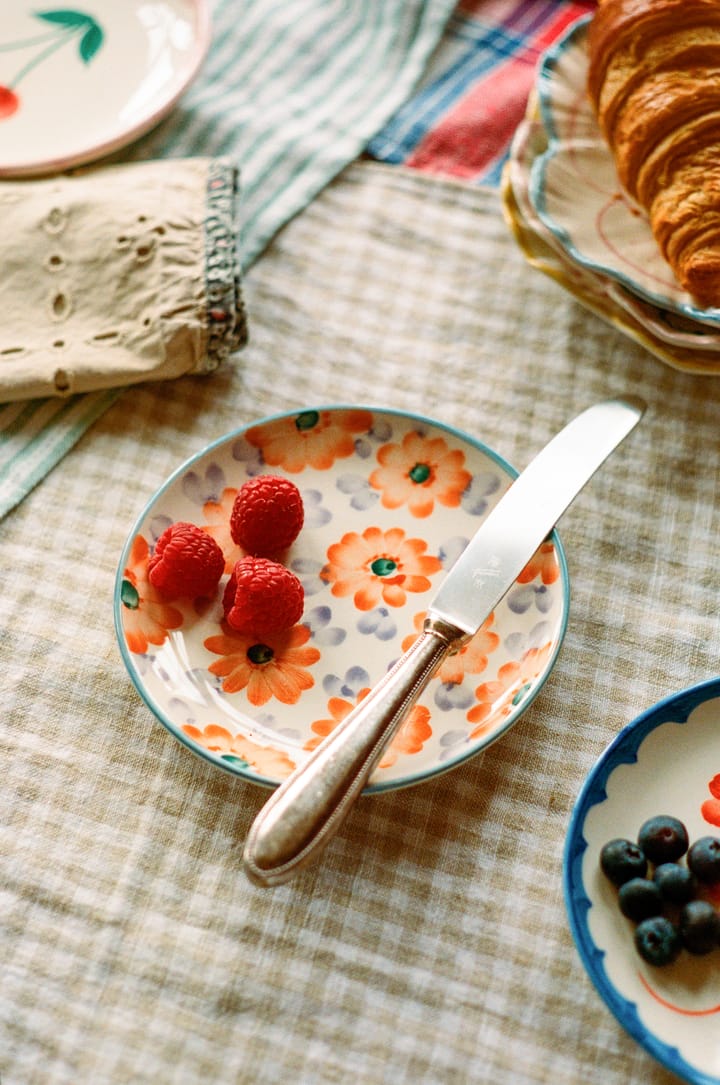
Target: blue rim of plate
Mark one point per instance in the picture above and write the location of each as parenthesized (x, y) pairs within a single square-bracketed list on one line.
[(624, 748), (536, 187), (256, 778)]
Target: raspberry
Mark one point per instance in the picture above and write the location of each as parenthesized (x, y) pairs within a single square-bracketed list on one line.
[(186, 562), (262, 597), (267, 515)]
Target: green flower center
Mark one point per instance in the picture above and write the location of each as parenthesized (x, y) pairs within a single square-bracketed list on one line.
[(420, 473), (260, 653), (129, 595), (383, 566), (307, 420)]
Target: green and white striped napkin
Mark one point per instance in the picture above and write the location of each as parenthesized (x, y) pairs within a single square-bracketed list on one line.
[(291, 92)]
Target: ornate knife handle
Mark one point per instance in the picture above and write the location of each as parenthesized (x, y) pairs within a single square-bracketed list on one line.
[(311, 805)]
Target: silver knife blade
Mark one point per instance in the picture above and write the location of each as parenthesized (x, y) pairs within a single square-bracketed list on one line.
[(308, 808), (529, 510)]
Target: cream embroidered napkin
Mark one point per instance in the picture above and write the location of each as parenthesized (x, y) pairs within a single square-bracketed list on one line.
[(118, 274)]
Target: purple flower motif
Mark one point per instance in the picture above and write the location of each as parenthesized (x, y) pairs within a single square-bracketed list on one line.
[(316, 515), (318, 621), (451, 550), (380, 433), (251, 457), (525, 596), (308, 573), (208, 487), (157, 525), (449, 742), (362, 495), (518, 643), (483, 486), (355, 680), (450, 695), (377, 622)]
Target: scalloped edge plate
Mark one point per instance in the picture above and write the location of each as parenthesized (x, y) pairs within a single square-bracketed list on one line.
[(377, 484), (641, 322), (664, 762), (576, 193)]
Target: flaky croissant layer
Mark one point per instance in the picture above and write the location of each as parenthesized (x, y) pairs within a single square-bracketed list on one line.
[(654, 82)]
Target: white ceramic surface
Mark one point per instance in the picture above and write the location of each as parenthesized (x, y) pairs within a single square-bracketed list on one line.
[(575, 190), (391, 499), (667, 761), (79, 83)]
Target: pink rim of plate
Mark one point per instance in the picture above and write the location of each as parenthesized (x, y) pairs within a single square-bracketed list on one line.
[(94, 151)]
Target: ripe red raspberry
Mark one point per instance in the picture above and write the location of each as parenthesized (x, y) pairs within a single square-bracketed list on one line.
[(186, 562), (267, 515), (262, 597)]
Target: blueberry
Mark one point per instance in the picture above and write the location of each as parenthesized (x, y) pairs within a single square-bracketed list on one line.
[(639, 899), (699, 927), (704, 859), (621, 860), (663, 839), (676, 883), (657, 940)]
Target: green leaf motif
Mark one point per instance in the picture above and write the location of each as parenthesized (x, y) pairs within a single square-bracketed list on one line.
[(92, 37), (90, 42), (65, 17)]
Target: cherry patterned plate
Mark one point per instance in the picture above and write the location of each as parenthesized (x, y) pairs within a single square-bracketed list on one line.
[(391, 500), (667, 761), (79, 83)]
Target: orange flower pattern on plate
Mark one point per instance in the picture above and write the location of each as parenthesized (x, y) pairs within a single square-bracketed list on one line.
[(276, 668), (496, 699), (265, 760), (309, 439), (379, 566), (418, 472), (472, 658), (544, 563), (413, 734), (392, 464), (146, 617)]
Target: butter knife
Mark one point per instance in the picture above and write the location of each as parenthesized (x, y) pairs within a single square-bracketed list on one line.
[(309, 807)]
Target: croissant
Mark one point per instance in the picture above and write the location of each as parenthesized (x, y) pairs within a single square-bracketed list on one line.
[(654, 84)]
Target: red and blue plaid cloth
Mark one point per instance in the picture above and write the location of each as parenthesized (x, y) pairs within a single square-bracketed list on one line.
[(461, 120)]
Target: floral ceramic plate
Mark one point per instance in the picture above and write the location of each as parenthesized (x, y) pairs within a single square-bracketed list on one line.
[(390, 502), (79, 83), (575, 190), (666, 762)]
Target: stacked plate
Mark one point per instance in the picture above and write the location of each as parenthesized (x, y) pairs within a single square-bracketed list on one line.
[(565, 205)]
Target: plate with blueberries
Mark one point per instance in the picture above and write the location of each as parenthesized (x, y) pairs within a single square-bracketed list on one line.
[(642, 880)]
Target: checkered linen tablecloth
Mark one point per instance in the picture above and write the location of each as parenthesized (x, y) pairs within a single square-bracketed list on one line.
[(429, 946)]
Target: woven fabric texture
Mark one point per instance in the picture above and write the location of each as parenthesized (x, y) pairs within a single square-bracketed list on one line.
[(430, 944)]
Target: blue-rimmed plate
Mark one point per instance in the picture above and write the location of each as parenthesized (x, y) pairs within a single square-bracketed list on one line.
[(390, 499), (575, 191), (667, 761)]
